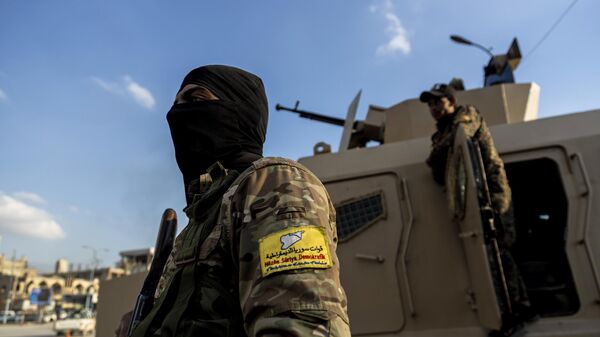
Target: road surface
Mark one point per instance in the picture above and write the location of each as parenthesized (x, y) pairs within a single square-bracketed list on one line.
[(28, 330)]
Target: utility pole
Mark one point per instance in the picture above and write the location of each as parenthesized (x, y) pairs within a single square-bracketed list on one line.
[(94, 265), (10, 290)]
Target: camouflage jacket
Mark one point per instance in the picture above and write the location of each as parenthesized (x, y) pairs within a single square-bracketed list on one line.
[(442, 142), (273, 249)]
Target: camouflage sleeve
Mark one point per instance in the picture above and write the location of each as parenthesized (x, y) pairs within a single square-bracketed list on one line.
[(284, 238), (500, 192)]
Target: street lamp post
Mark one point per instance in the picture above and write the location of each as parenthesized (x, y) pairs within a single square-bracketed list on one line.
[(93, 267), (500, 68), (461, 40), (7, 304), (9, 292)]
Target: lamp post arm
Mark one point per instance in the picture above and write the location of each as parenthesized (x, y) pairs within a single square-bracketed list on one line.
[(461, 40), (482, 48)]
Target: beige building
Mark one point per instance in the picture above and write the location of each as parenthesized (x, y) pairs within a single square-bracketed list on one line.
[(66, 287), (137, 260), (18, 282), (62, 266)]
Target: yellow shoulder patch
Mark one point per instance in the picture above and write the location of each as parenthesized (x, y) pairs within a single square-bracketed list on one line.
[(294, 248)]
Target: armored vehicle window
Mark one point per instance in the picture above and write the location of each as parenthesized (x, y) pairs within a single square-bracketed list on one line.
[(540, 206), (356, 214)]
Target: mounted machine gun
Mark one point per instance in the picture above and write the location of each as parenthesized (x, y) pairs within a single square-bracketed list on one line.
[(356, 133)]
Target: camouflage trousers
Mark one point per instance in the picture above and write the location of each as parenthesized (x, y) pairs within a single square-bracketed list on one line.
[(507, 236)]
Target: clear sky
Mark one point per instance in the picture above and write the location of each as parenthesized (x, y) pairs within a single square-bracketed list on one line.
[(85, 151)]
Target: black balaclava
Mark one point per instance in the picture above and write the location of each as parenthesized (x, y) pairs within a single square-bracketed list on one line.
[(230, 130)]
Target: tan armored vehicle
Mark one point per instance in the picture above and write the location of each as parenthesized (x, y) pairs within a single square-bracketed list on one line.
[(410, 270), (413, 255)]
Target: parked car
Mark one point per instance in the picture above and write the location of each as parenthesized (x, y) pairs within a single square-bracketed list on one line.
[(80, 322), (48, 317), (62, 314), (30, 316), (9, 315)]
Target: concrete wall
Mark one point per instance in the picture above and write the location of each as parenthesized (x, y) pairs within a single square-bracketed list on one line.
[(116, 297)]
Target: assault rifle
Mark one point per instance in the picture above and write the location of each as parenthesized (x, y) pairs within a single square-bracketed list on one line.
[(490, 219), (162, 249)]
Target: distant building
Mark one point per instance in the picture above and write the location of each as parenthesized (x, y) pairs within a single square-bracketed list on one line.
[(26, 290), (62, 266), (13, 266), (105, 273), (11, 272), (135, 261)]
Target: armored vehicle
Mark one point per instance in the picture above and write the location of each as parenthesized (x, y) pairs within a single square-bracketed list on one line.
[(413, 254), (413, 257)]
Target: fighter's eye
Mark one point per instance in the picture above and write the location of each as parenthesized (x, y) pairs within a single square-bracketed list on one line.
[(200, 94), (193, 93)]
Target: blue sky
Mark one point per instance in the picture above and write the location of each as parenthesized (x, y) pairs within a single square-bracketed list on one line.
[(86, 156)]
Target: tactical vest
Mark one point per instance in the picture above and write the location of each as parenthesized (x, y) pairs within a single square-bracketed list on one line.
[(195, 301)]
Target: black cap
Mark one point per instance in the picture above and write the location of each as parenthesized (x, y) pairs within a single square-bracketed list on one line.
[(437, 91)]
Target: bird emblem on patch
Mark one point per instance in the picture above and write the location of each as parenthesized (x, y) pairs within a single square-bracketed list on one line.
[(290, 239)]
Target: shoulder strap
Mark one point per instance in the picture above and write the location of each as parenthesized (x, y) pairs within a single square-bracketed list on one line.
[(204, 212)]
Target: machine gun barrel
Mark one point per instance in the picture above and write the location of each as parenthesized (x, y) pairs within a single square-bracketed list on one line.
[(312, 115)]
